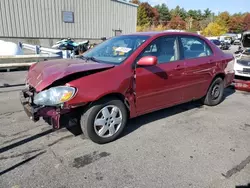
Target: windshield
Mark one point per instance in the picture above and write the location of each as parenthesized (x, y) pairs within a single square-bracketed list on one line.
[(116, 49)]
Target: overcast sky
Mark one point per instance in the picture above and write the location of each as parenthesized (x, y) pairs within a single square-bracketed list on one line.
[(232, 6)]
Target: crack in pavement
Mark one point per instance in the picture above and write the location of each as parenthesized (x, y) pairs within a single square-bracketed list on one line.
[(11, 140), (20, 154), (59, 159), (237, 168), (3, 135), (60, 139), (10, 113), (15, 134), (8, 91)]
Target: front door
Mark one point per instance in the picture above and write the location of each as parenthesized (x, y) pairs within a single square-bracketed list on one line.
[(160, 86)]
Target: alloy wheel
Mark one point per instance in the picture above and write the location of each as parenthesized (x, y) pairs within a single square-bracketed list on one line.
[(108, 121)]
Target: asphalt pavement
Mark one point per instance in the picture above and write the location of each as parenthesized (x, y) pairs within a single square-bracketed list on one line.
[(185, 146)]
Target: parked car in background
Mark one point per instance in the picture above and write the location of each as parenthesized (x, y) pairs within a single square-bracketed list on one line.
[(216, 42), (125, 77), (237, 42), (242, 60), (225, 45), (227, 39), (221, 44)]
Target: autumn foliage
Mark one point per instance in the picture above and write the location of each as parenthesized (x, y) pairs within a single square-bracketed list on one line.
[(177, 23), (160, 17)]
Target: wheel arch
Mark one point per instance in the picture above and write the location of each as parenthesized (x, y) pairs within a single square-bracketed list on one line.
[(119, 96), (221, 75), (218, 75)]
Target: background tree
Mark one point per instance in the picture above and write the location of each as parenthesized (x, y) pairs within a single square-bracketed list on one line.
[(164, 13), (238, 14), (223, 19), (246, 22), (152, 14), (177, 23), (161, 17), (214, 29), (204, 23), (178, 11), (142, 17), (207, 13), (156, 17), (195, 14), (135, 2), (236, 24), (195, 26)]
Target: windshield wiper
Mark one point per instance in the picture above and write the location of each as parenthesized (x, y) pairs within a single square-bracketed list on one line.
[(90, 58)]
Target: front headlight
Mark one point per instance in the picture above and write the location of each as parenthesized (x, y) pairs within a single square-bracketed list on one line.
[(54, 96)]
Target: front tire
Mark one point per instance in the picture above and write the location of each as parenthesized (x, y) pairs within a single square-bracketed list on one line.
[(104, 121), (215, 93)]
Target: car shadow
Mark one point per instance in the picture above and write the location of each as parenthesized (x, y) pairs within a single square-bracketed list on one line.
[(21, 163), (137, 122), (243, 186), (73, 125), (230, 90), (25, 141)]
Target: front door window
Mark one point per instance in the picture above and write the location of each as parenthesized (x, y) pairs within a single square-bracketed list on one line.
[(164, 48)]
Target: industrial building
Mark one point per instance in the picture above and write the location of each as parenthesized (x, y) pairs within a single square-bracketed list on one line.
[(43, 22)]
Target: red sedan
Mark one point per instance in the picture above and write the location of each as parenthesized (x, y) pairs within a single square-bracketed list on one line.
[(127, 76)]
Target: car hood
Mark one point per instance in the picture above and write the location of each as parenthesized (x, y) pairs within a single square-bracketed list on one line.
[(43, 74)]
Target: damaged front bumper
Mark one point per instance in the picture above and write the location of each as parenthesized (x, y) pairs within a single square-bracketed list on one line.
[(34, 112)]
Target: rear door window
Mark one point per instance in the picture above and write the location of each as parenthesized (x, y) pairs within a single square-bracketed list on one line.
[(194, 47)]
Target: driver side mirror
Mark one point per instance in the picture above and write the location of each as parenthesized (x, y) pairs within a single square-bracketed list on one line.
[(147, 61)]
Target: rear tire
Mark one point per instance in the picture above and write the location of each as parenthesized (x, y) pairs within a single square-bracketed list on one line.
[(104, 121), (215, 93)]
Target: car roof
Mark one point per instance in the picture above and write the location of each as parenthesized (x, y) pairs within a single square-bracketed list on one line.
[(156, 33)]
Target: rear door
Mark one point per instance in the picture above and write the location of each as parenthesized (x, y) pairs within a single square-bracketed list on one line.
[(200, 64), (160, 86)]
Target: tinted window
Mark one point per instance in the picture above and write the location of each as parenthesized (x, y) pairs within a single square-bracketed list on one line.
[(164, 48), (194, 47)]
